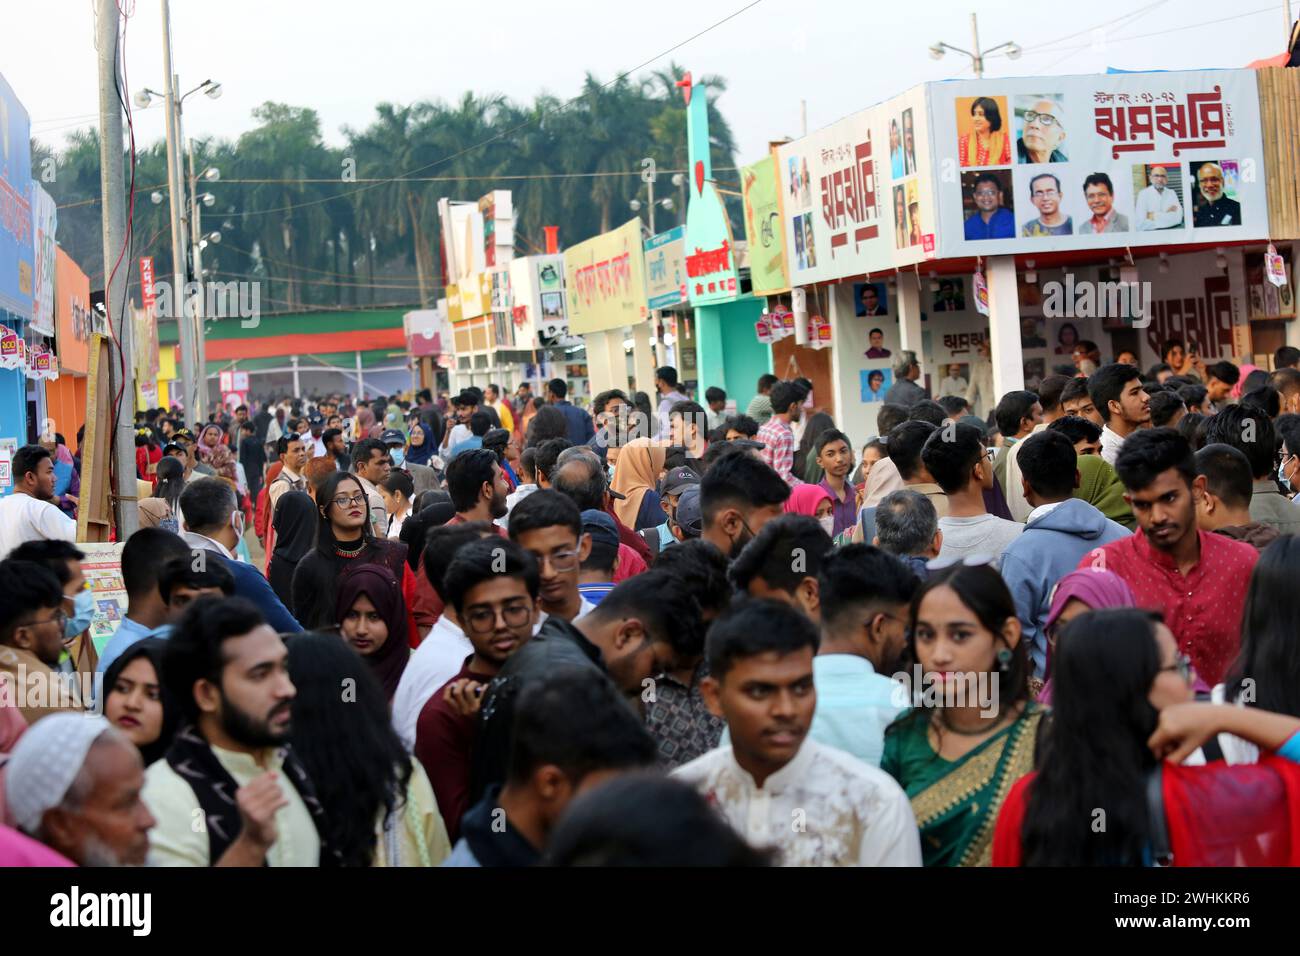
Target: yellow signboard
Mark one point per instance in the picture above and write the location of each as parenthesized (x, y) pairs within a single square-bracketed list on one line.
[(605, 280)]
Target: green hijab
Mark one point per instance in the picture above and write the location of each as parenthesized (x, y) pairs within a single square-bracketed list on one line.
[(1101, 488)]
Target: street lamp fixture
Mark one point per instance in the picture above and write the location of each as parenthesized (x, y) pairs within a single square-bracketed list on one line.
[(1012, 49), (156, 197), (212, 174)]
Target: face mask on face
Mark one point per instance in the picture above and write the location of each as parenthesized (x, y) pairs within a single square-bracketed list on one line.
[(828, 524), (399, 457), (83, 609)]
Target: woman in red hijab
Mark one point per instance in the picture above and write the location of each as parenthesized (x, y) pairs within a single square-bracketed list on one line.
[(371, 615)]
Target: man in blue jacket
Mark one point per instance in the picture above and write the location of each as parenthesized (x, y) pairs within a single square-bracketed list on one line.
[(1061, 530), (581, 428), (214, 525)]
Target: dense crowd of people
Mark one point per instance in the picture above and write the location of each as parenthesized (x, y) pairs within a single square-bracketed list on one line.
[(507, 630)]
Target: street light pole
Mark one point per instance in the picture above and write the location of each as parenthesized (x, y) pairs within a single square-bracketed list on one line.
[(189, 392), (196, 237), (979, 57), (121, 368)]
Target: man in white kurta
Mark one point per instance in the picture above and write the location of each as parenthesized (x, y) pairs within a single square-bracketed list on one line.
[(779, 788), (823, 808)]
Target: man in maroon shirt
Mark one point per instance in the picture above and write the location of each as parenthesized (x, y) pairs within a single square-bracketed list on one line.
[(491, 588), (1198, 580)]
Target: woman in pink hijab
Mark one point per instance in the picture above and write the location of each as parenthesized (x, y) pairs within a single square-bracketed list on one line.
[(815, 502), (1081, 591)]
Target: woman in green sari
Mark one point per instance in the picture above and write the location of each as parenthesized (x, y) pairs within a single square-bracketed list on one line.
[(971, 731)]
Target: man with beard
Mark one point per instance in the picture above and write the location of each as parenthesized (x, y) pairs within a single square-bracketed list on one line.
[(73, 782), (477, 487), (1213, 208), (818, 805), (628, 639), (1197, 579), (1042, 134), (229, 791), (865, 593), (28, 513), (491, 587), (739, 495), (548, 525)]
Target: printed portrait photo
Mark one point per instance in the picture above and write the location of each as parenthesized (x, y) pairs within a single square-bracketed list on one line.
[(870, 298), (950, 296), (901, 229), (1040, 129), (1157, 196), (983, 131), (987, 205), (909, 143), (875, 382), (1214, 193), (1048, 211)]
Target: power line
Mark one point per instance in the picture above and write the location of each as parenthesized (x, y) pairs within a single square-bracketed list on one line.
[(1158, 33)]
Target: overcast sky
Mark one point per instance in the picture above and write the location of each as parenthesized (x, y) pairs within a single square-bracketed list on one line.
[(341, 57)]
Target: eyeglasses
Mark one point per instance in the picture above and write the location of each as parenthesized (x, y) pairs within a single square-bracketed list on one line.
[(987, 193), (561, 562), (483, 620), (1043, 119), (59, 617), (1183, 664), (343, 501)]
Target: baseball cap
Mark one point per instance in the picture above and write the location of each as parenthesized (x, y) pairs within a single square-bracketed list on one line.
[(678, 480), (689, 517), (393, 437), (601, 527)]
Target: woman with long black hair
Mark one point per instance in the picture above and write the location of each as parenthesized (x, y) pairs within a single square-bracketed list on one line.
[(343, 537), (1102, 796), (377, 799), (1266, 674), (971, 731), (137, 703), (163, 508)]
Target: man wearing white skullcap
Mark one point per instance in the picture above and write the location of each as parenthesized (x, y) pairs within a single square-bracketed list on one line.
[(73, 782)]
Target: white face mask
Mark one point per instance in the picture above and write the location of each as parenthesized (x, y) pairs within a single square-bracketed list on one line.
[(828, 524)]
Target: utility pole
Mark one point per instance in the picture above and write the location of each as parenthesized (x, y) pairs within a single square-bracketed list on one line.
[(196, 236), (194, 411), (116, 303)]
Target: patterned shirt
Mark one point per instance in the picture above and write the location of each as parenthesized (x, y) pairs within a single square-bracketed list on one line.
[(823, 808), (1203, 608), (678, 720), (778, 440)]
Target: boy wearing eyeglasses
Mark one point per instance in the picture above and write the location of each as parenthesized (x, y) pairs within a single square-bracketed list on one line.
[(491, 587)]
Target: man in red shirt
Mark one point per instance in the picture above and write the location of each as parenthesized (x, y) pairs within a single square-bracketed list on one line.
[(1198, 580), (492, 589)]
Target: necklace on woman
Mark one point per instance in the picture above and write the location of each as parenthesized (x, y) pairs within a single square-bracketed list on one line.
[(942, 720), (349, 552)]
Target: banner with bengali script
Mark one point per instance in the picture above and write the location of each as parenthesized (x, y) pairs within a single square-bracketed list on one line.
[(605, 281), (665, 269), (45, 217), (1102, 161), (17, 242)]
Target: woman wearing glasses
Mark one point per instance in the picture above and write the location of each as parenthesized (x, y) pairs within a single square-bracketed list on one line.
[(1123, 701), (971, 731), (343, 539)]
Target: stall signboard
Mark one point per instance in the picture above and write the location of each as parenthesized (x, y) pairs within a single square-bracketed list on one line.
[(17, 242), (605, 280), (45, 217), (712, 276), (763, 228), (72, 314), (856, 197), (1046, 164), (665, 269)]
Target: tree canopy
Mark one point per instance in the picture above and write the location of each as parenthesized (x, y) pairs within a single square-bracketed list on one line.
[(357, 225)]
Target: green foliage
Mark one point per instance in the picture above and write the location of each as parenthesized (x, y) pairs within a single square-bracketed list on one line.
[(290, 217)]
